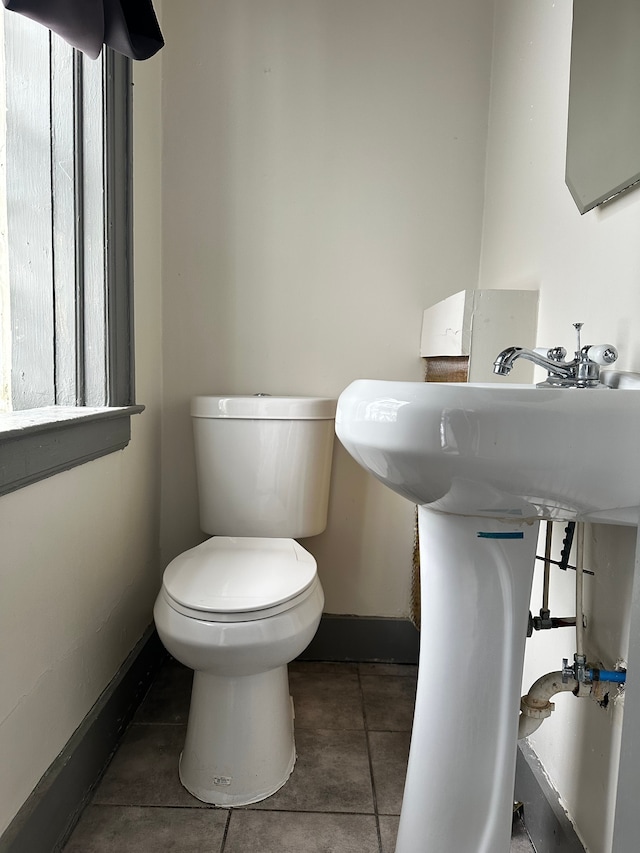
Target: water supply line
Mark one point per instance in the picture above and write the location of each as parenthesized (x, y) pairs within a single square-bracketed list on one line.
[(545, 621), (580, 592), (548, 541)]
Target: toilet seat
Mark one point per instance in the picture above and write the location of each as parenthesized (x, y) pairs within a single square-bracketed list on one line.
[(239, 579)]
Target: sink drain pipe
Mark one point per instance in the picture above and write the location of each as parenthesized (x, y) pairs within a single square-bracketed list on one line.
[(536, 705)]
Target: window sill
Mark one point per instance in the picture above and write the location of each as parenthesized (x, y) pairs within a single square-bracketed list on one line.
[(37, 443)]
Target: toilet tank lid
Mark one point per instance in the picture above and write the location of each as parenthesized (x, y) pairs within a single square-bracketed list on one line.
[(234, 575), (264, 407)]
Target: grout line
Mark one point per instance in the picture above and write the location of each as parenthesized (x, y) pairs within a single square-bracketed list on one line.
[(231, 809), (302, 811), (226, 832), (205, 807), (373, 784)]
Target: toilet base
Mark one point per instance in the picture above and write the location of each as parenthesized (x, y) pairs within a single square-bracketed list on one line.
[(239, 747)]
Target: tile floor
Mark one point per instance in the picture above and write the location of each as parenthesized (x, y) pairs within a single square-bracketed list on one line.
[(352, 737)]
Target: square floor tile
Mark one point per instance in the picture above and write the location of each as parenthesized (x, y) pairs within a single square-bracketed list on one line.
[(131, 829), (144, 770), (388, 702), (389, 756), (327, 699), (331, 775), (286, 832)]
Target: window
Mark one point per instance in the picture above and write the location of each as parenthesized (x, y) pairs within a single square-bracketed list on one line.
[(66, 376)]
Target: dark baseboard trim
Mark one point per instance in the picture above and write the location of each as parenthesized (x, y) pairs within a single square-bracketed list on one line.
[(364, 638), (548, 826), (45, 820)]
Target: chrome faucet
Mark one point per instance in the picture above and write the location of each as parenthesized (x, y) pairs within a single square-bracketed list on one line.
[(583, 371)]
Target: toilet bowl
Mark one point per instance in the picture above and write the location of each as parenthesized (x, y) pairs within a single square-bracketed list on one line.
[(236, 611), (238, 608)]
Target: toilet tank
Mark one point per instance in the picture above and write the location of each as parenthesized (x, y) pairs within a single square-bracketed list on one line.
[(263, 464)]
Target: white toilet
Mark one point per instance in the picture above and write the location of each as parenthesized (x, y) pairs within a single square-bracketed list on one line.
[(237, 608)]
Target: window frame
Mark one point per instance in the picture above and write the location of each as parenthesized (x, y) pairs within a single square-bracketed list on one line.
[(38, 443)]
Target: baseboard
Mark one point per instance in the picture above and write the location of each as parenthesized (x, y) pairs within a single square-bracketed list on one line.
[(364, 638), (548, 826), (47, 817)]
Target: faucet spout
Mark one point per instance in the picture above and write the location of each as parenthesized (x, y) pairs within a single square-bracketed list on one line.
[(505, 360)]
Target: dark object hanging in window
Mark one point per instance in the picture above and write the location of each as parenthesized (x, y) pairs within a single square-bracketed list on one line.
[(128, 26)]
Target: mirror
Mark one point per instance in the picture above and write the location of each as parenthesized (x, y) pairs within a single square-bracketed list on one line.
[(603, 132)]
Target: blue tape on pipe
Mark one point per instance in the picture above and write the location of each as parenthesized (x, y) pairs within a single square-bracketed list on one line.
[(615, 676), (482, 534)]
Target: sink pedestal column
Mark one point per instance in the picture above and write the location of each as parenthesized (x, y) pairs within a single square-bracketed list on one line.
[(476, 576)]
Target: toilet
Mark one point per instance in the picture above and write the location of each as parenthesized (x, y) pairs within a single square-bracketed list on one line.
[(240, 606)]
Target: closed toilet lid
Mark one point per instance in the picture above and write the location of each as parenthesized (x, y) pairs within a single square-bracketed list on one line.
[(235, 575)]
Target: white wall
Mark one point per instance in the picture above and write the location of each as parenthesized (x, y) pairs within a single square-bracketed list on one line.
[(588, 270), (323, 184), (79, 568)]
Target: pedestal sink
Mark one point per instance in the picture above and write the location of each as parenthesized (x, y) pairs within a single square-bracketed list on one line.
[(484, 463)]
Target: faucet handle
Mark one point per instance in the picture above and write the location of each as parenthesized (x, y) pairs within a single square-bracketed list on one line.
[(602, 354), (554, 354)]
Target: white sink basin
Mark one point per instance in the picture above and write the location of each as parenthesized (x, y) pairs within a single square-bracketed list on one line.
[(500, 450), (484, 463)]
